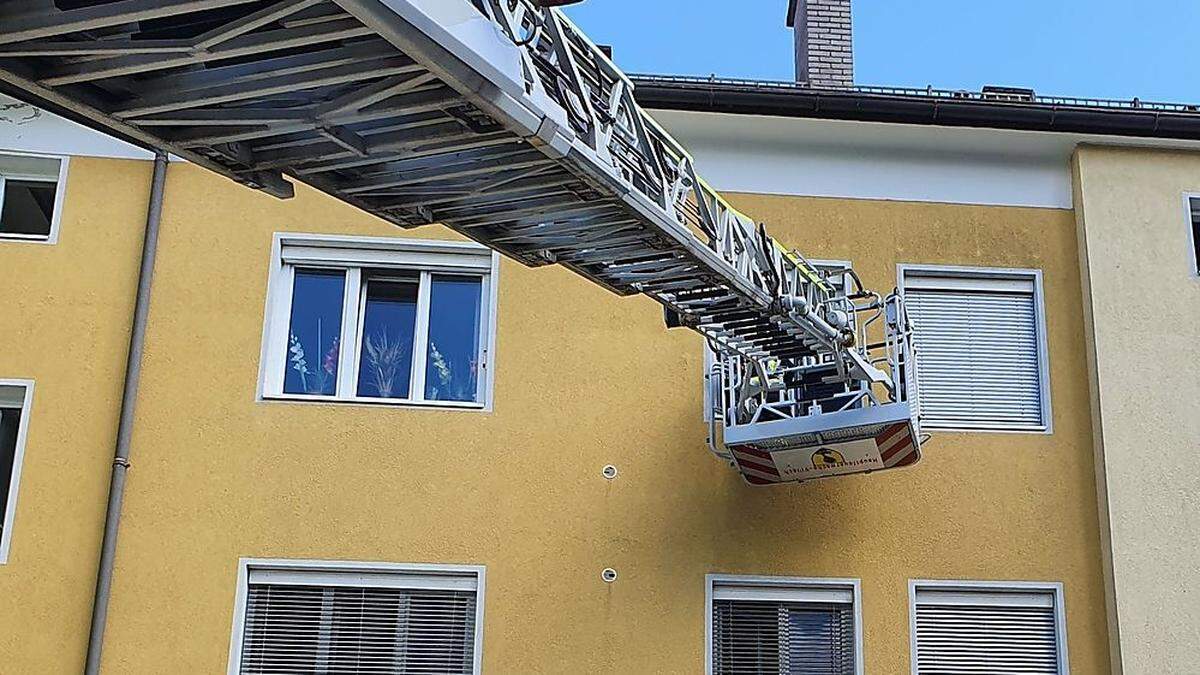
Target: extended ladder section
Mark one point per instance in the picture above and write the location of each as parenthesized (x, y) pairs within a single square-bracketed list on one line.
[(502, 121)]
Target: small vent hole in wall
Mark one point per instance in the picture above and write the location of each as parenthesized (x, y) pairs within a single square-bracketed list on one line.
[(609, 575), (609, 471)]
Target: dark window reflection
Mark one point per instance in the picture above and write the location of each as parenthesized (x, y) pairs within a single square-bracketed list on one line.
[(385, 360), (1194, 202), (10, 421), (452, 369), (315, 331), (28, 207)]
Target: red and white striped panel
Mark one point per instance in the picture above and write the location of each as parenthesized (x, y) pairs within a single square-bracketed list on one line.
[(757, 466), (897, 446)]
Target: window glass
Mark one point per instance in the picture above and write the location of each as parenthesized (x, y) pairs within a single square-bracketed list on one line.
[(1194, 210), (783, 637), (28, 207), (820, 639), (389, 320), (314, 333), (10, 420), (452, 368)]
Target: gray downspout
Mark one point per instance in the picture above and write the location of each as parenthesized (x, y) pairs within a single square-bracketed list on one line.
[(133, 372)]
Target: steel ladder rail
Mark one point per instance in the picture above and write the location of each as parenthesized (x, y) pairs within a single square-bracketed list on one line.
[(388, 109)]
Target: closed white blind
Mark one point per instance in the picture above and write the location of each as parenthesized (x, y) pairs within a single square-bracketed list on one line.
[(338, 627), (977, 341), (984, 632), (751, 636)]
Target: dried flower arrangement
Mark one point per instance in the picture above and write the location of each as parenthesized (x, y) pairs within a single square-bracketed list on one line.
[(455, 385), (384, 357), (319, 381)]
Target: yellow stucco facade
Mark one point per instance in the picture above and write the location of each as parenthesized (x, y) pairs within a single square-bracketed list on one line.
[(1142, 301), (583, 379), (65, 312)]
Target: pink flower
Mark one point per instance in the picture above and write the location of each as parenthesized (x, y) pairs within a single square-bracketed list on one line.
[(331, 357)]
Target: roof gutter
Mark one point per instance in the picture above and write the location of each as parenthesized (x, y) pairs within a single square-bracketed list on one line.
[(788, 100)]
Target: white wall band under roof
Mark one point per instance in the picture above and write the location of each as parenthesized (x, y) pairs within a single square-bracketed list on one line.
[(875, 160), (871, 160), (772, 155)]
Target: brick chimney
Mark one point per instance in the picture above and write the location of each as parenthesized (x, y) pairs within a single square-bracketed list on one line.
[(824, 57)]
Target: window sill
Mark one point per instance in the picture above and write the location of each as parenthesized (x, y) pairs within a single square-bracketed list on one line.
[(985, 430), (26, 238), (375, 402)]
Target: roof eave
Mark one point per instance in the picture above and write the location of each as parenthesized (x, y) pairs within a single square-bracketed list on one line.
[(747, 99)]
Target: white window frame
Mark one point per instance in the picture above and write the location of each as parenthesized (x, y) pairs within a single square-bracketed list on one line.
[(14, 481), (423, 256), (1193, 245), (60, 191), (967, 587), (383, 574), (1039, 300), (781, 589)]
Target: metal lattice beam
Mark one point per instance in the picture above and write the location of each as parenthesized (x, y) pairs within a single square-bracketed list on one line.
[(497, 118), (40, 24)]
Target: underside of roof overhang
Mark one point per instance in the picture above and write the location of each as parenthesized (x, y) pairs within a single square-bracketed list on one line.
[(258, 89)]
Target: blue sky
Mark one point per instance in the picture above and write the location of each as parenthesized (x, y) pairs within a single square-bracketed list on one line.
[(1094, 48)]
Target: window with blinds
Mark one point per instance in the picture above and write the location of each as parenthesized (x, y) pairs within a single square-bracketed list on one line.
[(980, 343), (359, 621), (783, 626), (988, 630)]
